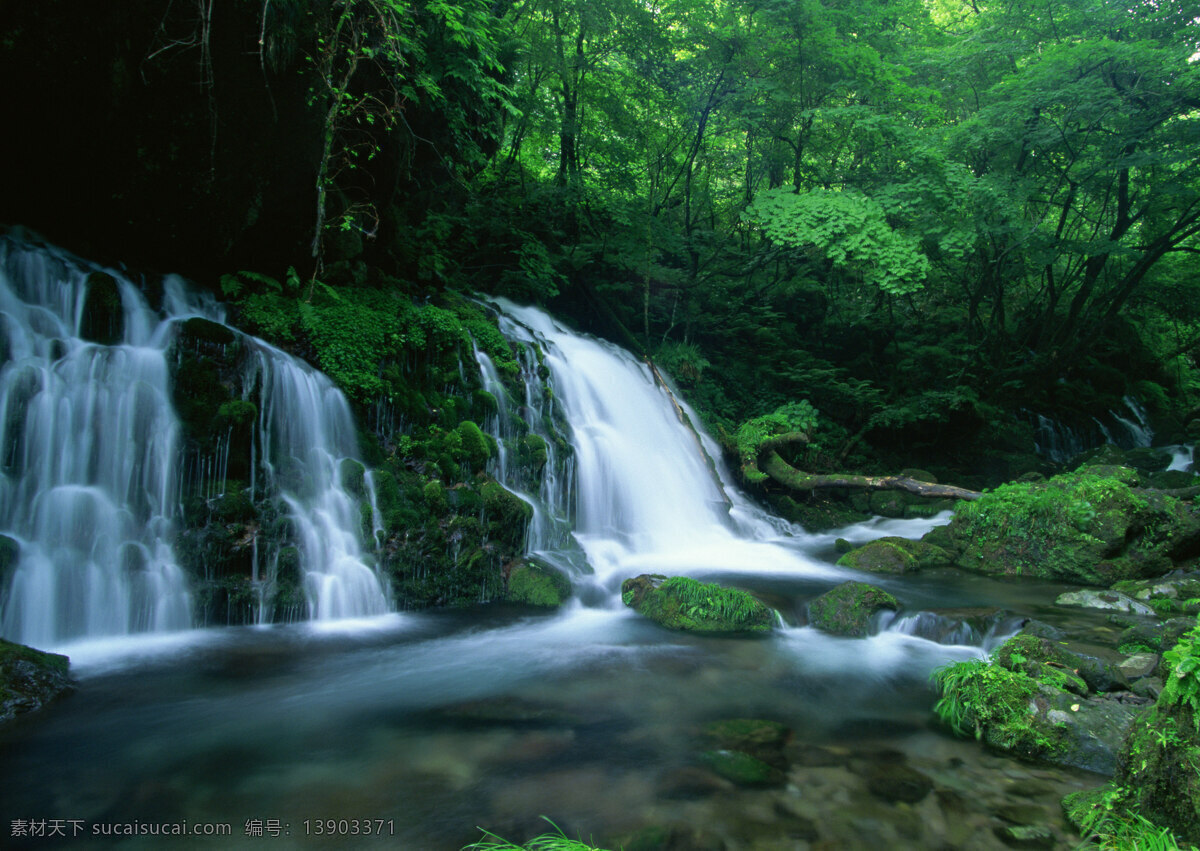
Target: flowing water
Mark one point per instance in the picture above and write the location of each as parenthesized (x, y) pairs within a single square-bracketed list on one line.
[(420, 726)]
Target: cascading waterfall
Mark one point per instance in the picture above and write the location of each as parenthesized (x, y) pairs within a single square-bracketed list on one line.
[(89, 441), (645, 496), (91, 472), (306, 434)]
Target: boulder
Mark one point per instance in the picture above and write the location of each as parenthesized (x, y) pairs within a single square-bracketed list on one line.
[(685, 604), (29, 679), (848, 608), (1092, 526), (895, 555), (537, 585), (1109, 601)]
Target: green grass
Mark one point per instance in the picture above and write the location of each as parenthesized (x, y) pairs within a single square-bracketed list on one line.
[(556, 841)]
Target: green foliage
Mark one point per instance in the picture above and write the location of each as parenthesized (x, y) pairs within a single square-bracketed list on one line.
[(1103, 817), (704, 600), (1182, 686), (683, 603), (849, 230), (556, 841), (799, 417), (988, 701)]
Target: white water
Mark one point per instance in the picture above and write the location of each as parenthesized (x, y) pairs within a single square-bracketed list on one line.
[(306, 432), (89, 444), (646, 495), (90, 467)]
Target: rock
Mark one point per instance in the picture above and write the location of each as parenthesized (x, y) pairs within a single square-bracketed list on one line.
[(1042, 660), (103, 316), (537, 585), (29, 679), (848, 608), (894, 782), (895, 555), (1025, 836), (1139, 665), (1110, 601), (763, 740), (1090, 526), (1154, 637), (685, 604), (742, 769), (1091, 730)]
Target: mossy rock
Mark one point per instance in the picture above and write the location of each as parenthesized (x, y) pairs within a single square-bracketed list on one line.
[(685, 604), (1154, 637), (536, 585), (1043, 660), (29, 679), (847, 609), (881, 556), (475, 447), (1090, 527), (764, 740), (199, 329), (895, 555)]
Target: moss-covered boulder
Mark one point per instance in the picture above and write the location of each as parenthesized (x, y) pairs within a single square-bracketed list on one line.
[(895, 555), (848, 609), (1167, 596), (704, 607), (1092, 526), (1158, 774), (29, 679), (537, 585), (1029, 702)]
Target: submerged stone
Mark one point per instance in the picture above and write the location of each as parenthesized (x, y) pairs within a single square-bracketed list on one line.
[(704, 607), (742, 769), (895, 782)]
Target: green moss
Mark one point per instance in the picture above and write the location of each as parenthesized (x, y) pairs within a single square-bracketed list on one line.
[(1090, 526), (474, 445), (848, 608), (995, 705), (879, 557), (742, 769), (29, 678), (1041, 660), (535, 585), (685, 604), (435, 497)]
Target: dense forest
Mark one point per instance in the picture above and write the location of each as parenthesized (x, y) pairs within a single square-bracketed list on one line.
[(928, 222), (898, 256)]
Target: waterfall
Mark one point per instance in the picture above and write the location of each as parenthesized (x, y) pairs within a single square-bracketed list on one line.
[(92, 474), (306, 434), (645, 494), (89, 442)]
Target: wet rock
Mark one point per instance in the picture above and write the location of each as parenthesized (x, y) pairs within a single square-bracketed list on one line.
[(29, 679), (1154, 637), (1089, 526), (764, 740), (742, 769), (1025, 836), (895, 782), (848, 608), (1091, 731), (1150, 688), (537, 585), (1139, 665), (685, 604), (1110, 601), (895, 555), (103, 319)]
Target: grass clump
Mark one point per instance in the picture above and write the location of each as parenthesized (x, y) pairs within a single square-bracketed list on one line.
[(554, 841)]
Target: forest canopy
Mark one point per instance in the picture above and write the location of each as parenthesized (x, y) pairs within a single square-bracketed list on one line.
[(928, 221)]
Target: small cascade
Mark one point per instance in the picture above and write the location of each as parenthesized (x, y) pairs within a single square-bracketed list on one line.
[(984, 630), (643, 494), (1059, 441), (306, 434), (1138, 430), (89, 444), (1181, 457)]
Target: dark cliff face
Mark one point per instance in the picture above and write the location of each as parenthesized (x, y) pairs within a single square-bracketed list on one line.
[(147, 132)]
